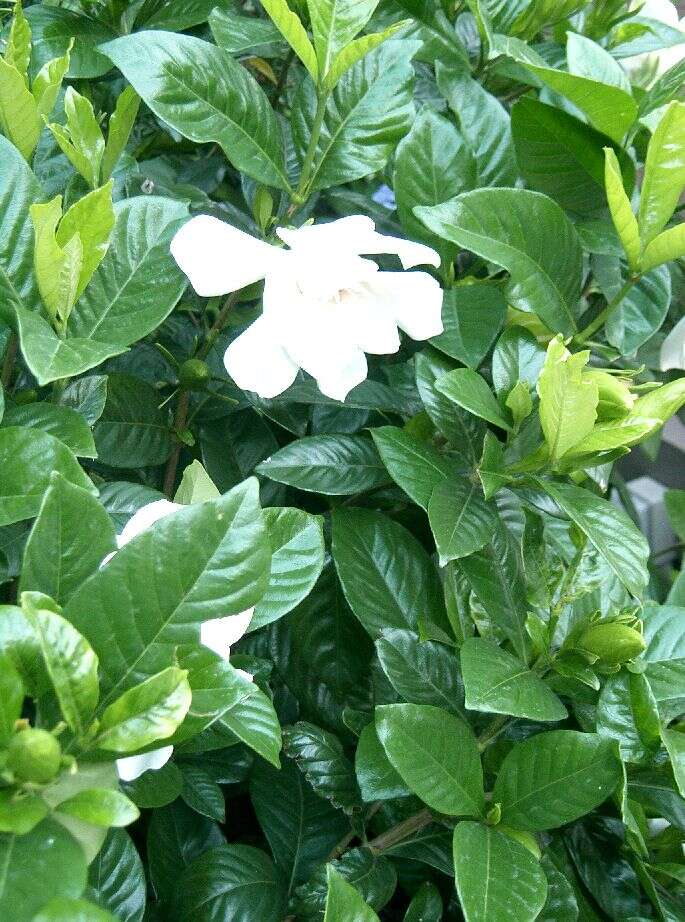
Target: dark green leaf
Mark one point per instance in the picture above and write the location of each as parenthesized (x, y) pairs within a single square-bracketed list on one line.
[(420, 672), (472, 316), (319, 755), (132, 431)]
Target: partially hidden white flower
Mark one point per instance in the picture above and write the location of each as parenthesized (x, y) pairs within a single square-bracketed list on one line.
[(324, 305), (218, 634), (673, 348), (657, 62), (132, 767)]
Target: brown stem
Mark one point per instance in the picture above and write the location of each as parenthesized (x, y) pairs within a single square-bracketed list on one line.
[(180, 418), (8, 361), (401, 831)]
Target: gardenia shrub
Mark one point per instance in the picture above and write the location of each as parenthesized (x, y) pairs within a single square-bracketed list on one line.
[(325, 328)]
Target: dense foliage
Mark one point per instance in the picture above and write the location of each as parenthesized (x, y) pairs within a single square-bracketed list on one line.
[(304, 620)]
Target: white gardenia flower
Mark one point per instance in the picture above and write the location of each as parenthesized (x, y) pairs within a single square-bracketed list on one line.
[(673, 348), (324, 307), (218, 635)]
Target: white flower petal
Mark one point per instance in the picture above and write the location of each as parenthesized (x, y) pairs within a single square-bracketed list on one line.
[(245, 675), (339, 371), (133, 767), (414, 299), (411, 254), (673, 348), (220, 634), (144, 518), (369, 322), (257, 361), (219, 258), (661, 10)]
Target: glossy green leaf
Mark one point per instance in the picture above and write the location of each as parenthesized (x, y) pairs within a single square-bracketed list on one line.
[(292, 30), (436, 755), (81, 139), (421, 672), (338, 465), (320, 757), (472, 317), (627, 712), (121, 123), (415, 466), (664, 177), (568, 401), (376, 777), (19, 119), (426, 905), (609, 529), (641, 312), (366, 115), (63, 422), (101, 807), (241, 35), (18, 46), (512, 227), (11, 698), (517, 356), (499, 683), (63, 909), (588, 59), (621, 210), (219, 554), (199, 90), (234, 882), (497, 878), (53, 30), (20, 813), (469, 390), (461, 520), (665, 657), (387, 577), (132, 429), (357, 49), (203, 794), (344, 901), (553, 778), (70, 538)]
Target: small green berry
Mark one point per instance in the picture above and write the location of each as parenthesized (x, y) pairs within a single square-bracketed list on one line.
[(34, 756)]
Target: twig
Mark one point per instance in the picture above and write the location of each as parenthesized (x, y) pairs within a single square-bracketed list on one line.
[(217, 326), (180, 418), (401, 831)]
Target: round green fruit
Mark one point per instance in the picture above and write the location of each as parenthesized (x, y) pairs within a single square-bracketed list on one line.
[(194, 375), (34, 756)]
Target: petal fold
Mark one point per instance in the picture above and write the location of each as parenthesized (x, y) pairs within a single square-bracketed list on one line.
[(414, 299), (220, 634), (257, 361)]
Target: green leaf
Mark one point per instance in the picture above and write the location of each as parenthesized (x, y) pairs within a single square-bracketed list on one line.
[(517, 356), (81, 138), (27, 458), (373, 876), (664, 176), (495, 575), (357, 49), (254, 721), (338, 465), (461, 520), (432, 164), (413, 464), (559, 155), (64, 423), (205, 561), (297, 558), (668, 245), (48, 82), (472, 317), (145, 713), (497, 878), (665, 657), (19, 119), (58, 268), (240, 35), (469, 390), (138, 283), (568, 401), (426, 905), (121, 123), (301, 827), (511, 227), (621, 210), (292, 30), (484, 123), (387, 577), (18, 47), (499, 683), (420, 672), (133, 430), (627, 712), (553, 778), (116, 879), (674, 741), (62, 909), (641, 312), (376, 777), (588, 59), (234, 882), (196, 486), (49, 854), (203, 794), (366, 115), (320, 757), (609, 529), (155, 788), (199, 90), (20, 812), (11, 698), (69, 659), (101, 807), (344, 902), (436, 755), (335, 23), (175, 17), (53, 30), (92, 219)]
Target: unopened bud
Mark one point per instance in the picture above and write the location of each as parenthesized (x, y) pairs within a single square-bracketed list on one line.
[(614, 643), (615, 397)]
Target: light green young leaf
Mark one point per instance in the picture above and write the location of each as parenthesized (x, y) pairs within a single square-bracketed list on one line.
[(497, 878), (674, 741), (292, 30), (81, 140), (69, 659), (664, 176), (19, 120), (196, 486), (469, 390), (101, 807), (436, 755), (588, 59), (120, 125), (48, 83), (622, 214), (666, 246), (91, 218), (146, 713), (11, 698), (568, 402), (348, 56), (58, 266), (18, 47), (344, 902), (334, 24)]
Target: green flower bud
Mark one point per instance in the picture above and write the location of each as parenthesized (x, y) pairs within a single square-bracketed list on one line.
[(615, 397), (194, 375), (34, 756), (614, 643)]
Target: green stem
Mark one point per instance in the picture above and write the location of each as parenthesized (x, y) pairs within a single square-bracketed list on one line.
[(490, 734), (301, 192), (401, 831), (581, 338), (180, 418), (217, 326)]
